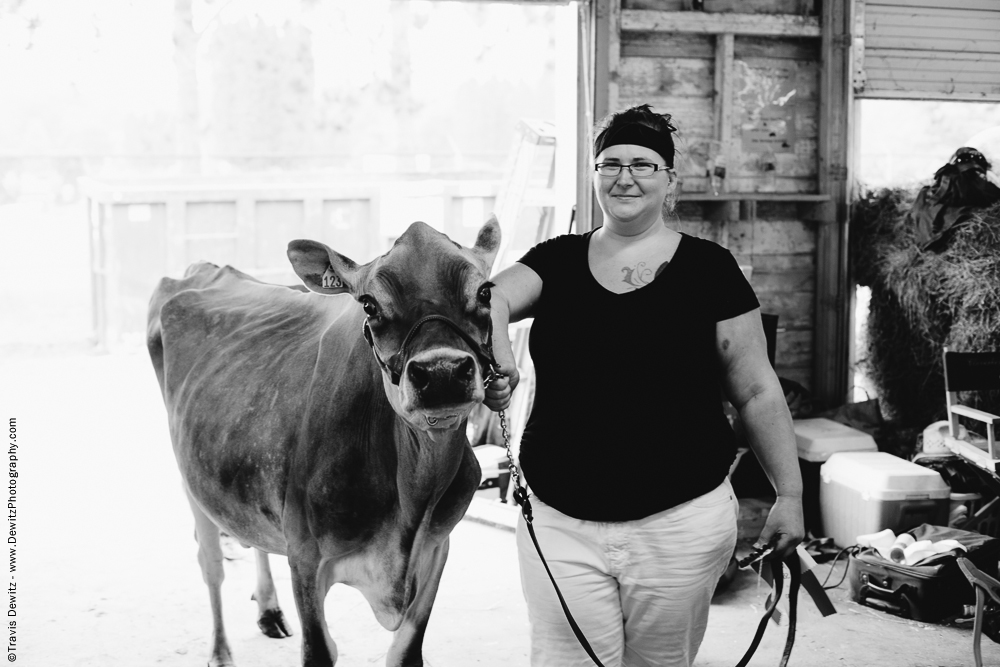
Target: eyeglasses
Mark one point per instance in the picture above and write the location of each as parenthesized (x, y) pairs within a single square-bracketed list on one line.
[(639, 169)]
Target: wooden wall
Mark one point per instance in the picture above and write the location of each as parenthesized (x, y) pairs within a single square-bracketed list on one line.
[(748, 86)]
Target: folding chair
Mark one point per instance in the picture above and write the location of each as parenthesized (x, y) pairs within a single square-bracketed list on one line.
[(972, 371), (984, 585)]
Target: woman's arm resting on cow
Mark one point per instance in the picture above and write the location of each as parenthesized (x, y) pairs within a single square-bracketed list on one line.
[(516, 290), (754, 390)]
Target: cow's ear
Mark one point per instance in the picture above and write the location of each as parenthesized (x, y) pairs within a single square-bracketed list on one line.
[(321, 269), (488, 241)]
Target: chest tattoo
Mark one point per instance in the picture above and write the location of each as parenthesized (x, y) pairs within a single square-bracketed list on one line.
[(641, 275)]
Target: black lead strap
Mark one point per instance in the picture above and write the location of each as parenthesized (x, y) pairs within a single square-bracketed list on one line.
[(521, 498)]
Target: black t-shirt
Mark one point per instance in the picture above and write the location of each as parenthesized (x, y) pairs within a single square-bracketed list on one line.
[(627, 418)]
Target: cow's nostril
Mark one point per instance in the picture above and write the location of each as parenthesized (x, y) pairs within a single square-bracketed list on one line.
[(465, 369), (419, 376)]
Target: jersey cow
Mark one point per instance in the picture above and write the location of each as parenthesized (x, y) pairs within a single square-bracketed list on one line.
[(327, 428)]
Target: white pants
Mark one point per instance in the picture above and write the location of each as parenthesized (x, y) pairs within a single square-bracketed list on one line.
[(639, 590)]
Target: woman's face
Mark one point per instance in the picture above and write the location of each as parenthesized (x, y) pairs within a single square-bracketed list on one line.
[(626, 198)]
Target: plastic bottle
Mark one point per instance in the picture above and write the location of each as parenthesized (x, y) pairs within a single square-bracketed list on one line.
[(898, 551)]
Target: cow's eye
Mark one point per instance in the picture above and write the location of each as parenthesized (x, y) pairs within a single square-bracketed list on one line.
[(484, 294), (368, 304)]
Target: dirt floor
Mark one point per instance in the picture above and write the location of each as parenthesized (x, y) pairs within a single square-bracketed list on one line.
[(106, 571), (106, 574)]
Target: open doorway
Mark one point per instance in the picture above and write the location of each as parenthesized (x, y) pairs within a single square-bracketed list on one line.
[(398, 111), (901, 143)]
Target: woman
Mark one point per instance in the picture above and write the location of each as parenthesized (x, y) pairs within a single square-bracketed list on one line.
[(627, 448)]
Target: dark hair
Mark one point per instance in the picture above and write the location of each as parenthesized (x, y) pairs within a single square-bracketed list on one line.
[(660, 139)]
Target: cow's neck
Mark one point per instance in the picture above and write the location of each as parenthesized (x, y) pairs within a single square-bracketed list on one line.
[(428, 463)]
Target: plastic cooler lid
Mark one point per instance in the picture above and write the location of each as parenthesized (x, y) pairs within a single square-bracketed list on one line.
[(881, 476), (818, 438)]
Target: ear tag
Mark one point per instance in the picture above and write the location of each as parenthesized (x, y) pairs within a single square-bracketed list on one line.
[(331, 280)]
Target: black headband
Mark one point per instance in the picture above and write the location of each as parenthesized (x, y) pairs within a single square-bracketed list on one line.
[(638, 134)]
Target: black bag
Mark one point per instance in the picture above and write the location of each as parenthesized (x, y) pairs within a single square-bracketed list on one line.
[(929, 592)]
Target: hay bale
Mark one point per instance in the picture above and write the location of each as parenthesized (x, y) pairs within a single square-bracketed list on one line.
[(924, 300)]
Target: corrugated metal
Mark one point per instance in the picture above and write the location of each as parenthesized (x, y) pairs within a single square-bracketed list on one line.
[(931, 49)]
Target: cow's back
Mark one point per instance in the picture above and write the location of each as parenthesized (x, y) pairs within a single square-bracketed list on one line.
[(235, 359)]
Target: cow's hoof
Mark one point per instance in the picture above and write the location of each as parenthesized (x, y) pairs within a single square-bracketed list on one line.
[(272, 624), (217, 661)]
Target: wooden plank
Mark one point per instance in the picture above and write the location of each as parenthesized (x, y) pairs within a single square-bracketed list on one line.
[(801, 7), (659, 5), (946, 17), (793, 348), (770, 237), (880, 5), (795, 310), (614, 53), (971, 79), (802, 49), (786, 281), (785, 263), (210, 216), (245, 232), (947, 89), (981, 43), (807, 199), (276, 223), (348, 224), (703, 229), (676, 77), (760, 185), (666, 45), (725, 81), (974, 96), (802, 375), (714, 24), (176, 261), (727, 6), (937, 60), (834, 293), (692, 115)]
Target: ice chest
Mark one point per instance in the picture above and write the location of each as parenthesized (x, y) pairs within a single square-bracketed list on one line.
[(817, 440), (866, 492)]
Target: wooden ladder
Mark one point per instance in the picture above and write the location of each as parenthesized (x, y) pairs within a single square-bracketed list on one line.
[(534, 152)]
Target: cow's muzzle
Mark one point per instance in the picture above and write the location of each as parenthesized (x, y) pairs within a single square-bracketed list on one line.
[(421, 375)]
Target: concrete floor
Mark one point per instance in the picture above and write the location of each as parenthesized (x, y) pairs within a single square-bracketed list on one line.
[(107, 574)]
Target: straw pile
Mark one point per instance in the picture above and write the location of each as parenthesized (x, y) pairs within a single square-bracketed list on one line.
[(922, 301)]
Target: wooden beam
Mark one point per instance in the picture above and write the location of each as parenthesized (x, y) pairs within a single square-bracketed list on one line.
[(784, 25), (834, 296), (723, 103), (753, 196)]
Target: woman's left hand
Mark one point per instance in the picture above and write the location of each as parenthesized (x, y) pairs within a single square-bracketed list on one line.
[(784, 527)]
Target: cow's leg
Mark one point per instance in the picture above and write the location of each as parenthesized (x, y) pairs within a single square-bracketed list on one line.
[(310, 585), (270, 619), (210, 559), (408, 640)]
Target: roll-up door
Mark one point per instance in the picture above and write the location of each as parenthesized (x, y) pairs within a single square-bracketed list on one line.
[(928, 49)]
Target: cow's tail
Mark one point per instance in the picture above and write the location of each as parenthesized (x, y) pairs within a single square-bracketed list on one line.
[(165, 289)]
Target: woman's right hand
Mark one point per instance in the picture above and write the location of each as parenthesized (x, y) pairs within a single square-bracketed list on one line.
[(515, 291), (499, 391)]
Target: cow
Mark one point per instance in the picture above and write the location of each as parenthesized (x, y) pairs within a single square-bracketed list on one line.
[(328, 424)]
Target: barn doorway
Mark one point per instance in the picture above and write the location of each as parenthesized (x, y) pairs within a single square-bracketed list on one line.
[(900, 144)]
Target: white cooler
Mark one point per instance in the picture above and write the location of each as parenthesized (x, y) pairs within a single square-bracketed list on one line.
[(817, 440), (866, 492)]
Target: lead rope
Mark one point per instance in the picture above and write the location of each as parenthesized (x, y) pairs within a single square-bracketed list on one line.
[(777, 574), (521, 498)]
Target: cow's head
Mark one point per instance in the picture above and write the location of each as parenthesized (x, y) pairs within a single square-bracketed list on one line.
[(427, 308)]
